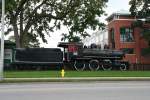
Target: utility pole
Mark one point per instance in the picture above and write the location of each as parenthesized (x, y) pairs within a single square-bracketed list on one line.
[(2, 41)]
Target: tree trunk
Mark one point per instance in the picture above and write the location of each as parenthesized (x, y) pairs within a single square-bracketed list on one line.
[(17, 39), (21, 28)]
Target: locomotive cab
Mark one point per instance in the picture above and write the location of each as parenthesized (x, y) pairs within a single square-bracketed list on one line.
[(70, 50)]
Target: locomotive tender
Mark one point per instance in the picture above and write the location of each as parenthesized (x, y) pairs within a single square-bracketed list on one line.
[(73, 55)]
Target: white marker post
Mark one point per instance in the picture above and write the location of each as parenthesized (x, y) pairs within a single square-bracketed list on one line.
[(2, 41)]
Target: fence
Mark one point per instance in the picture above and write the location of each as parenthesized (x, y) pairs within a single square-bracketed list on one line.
[(139, 67)]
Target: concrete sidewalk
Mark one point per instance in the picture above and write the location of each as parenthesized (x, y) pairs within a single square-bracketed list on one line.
[(75, 79)]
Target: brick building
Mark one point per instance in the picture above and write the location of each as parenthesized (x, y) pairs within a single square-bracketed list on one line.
[(122, 36)]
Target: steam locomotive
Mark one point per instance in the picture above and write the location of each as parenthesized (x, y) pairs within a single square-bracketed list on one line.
[(74, 56)]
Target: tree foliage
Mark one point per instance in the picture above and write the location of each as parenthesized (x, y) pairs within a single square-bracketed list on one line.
[(30, 19), (72, 38), (141, 9)]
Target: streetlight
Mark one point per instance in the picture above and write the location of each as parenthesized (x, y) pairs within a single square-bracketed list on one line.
[(2, 40)]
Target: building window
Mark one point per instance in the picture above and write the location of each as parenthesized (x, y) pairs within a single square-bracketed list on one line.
[(145, 51), (126, 35), (128, 50)]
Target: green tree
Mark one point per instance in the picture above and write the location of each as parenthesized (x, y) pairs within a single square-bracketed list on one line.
[(70, 38), (30, 19), (141, 9)]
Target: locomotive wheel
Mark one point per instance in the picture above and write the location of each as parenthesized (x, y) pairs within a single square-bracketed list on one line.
[(94, 65), (123, 67), (79, 65), (107, 65)]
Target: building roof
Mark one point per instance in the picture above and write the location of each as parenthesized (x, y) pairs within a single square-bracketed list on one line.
[(119, 13), (123, 12), (7, 42)]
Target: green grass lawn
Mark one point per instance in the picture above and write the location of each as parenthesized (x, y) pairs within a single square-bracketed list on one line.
[(48, 74)]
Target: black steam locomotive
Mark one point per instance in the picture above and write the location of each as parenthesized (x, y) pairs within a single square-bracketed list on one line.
[(74, 55)]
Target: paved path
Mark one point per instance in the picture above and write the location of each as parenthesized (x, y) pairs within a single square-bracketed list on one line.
[(112, 90)]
